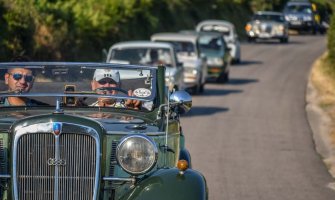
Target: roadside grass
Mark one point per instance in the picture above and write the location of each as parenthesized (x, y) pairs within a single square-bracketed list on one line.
[(323, 79)]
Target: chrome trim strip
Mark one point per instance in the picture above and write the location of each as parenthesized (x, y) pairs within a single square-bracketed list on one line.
[(133, 132), (47, 127), (109, 178), (57, 156), (5, 176)]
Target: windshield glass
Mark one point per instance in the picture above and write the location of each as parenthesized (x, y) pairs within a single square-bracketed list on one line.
[(183, 48), (265, 17), (299, 9), (82, 84), (143, 56), (211, 46), (225, 30)]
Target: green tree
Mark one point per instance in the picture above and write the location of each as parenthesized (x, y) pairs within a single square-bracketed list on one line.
[(331, 40)]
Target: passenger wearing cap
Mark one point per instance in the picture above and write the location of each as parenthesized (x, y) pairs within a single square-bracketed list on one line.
[(105, 78)]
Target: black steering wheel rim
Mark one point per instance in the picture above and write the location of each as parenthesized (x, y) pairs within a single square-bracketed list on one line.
[(111, 88)]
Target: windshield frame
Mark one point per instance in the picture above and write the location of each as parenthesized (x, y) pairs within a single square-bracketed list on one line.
[(83, 65)]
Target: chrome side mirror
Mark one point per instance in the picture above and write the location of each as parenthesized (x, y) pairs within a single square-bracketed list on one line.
[(183, 99)]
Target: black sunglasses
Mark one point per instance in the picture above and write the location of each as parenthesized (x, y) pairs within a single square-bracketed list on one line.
[(105, 81), (18, 76)]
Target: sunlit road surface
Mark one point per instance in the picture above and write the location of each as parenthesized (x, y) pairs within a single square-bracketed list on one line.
[(251, 138)]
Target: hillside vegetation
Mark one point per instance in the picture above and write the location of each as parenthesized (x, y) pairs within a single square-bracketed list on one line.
[(78, 31)]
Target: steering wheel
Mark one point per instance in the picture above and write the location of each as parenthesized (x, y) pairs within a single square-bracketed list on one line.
[(104, 89)]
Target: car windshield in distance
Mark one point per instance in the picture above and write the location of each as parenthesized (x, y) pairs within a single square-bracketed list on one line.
[(298, 9), (268, 17), (211, 46), (143, 56), (216, 28)]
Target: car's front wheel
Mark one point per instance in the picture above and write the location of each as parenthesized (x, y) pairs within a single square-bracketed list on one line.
[(251, 39), (283, 40), (223, 78)]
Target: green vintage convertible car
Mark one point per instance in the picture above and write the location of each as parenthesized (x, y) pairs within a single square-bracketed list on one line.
[(62, 137)]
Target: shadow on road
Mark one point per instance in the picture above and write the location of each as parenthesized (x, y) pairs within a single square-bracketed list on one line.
[(238, 81), (219, 92), (244, 63), (203, 110)]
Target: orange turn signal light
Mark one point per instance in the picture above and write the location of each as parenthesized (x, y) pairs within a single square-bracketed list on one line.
[(248, 27), (182, 165)]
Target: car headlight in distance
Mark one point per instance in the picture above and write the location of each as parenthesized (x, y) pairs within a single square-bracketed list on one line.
[(136, 154), (281, 28), (307, 18), (287, 18)]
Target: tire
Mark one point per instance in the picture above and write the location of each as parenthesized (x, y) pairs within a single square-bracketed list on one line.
[(223, 78), (226, 77), (314, 31), (283, 40), (195, 89), (202, 88), (236, 61), (251, 40)]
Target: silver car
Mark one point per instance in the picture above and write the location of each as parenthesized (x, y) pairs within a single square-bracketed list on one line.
[(229, 34), (187, 48), (267, 25), (150, 53)]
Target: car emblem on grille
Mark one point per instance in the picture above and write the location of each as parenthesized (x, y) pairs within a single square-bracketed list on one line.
[(57, 128), (54, 162)]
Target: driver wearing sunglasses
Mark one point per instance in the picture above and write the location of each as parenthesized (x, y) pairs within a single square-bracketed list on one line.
[(18, 80), (107, 78)]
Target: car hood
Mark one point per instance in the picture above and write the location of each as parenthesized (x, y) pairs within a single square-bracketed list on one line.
[(109, 120)]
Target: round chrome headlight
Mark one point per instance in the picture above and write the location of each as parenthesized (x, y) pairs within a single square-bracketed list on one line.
[(136, 154)]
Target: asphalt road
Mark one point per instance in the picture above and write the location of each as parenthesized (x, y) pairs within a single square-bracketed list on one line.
[(250, 137)]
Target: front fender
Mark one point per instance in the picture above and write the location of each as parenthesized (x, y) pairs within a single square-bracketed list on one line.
[(168, 184)]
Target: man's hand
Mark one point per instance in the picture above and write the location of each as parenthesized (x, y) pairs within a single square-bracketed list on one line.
[(132, 103)]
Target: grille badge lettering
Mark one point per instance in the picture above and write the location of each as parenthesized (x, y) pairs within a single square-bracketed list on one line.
[(54, 162)]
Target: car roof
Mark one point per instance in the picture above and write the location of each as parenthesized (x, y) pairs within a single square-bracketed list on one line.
[(143, 44), (268, 13), (175, 37), (215, 22), (201, 33)]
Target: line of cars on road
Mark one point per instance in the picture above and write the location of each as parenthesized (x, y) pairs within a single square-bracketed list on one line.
[(192, 57), (301, 16)]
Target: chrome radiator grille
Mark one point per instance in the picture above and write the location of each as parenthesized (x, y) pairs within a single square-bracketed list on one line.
[(40, 175)]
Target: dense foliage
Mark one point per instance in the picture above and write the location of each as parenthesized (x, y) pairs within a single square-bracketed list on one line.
[(331, 41), (69, 30)]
